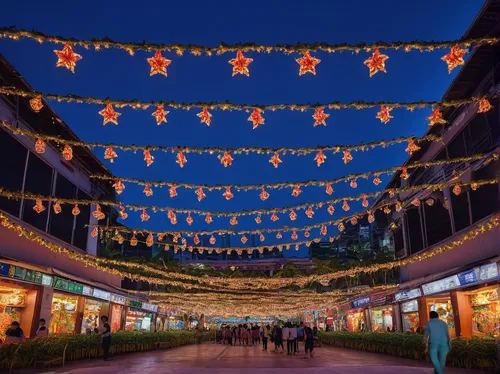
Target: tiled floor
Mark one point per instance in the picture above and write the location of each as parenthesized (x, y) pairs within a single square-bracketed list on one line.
[(219, 359)]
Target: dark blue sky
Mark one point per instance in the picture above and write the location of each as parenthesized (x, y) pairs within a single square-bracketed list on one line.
[(274, 79)]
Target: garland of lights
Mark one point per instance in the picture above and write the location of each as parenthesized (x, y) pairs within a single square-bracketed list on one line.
[(41, 139)]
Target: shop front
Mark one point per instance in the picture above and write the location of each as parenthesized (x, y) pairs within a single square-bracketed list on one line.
[(381, 314), (356, 317), (138, 319), (116, 318), (93, 309), (485, 309), (409, 308), (309, 318), (321, 319)]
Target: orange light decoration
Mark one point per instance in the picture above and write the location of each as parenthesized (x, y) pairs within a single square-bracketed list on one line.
[(331, 210), (346, 206), (331, 239), (56, 207), (320, 158), (261, 237), (240, 64), (244, 239), (67, 153), (294, 236), (376, 180), (341, 227), (67, 58), (233, 221), (36, 104), (320, 117), (256, 118), (376, 62), (172, 217), (110, 154), (94, 232), (398, 206), (347, 156), (385, 114), (278, 235), (148, 158), (436, 117), (296, 191), (109, 115), (404, 173), (158, 64), (145, 216), (292, 215), (392, 193), (200, 194), (371, 217), (181, 159), (353, 183), (387, 210), (205, 116), (365, 202), (454, 58), (274, 217), (307, 64), (258, 219), (75, 211), (354, 221), (275, 160), (147, 190), (149, 240), (40, 146), (264, 195), (226, 160), (457, 190), (196, 240), (307, 234), (133, 241), (310, 212), (189, 219), (97, 213), (412, 147), (473, 186), (484, 106), (212, 240), (329, 189), (39, 208), (228, 194), (161, 236), (160, 114), (123, 212), (416, 202), (172, 191), (430, 201), (208, 218)]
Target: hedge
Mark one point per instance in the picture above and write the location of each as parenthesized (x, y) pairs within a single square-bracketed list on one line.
[(472, 353), (89, 346)]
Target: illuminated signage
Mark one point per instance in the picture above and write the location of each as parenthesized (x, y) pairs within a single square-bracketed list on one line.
[(406, 295), (100, 294), (358, 303), (150, 307), (409, 306)]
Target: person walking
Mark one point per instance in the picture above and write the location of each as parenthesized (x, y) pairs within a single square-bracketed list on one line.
[(437, 341), (293, 339), (255, 335), (228, 335), (300, 336), (106, 340), (309, 341), (265, 336), (278, 339), (286, 335)]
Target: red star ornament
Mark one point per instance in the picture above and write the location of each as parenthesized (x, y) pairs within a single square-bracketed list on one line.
[(228, 194), (320, 158), (244, 239), (148, 191), (310, 212), (110, 154), (205, 116), (212, 240), (385, 114), (67, 58), (258, 219), (296, 191), (319, 117), (436, 117), (323, 231), (75, 211), (347, 156), (454, 58), (412, 147), (264, 195), (376, 180), (365, 202), (181, 159), (226, 160), (233, 221), (256, 118), (189, 219), (57, 207), (97, 213), (67, 153), (376, 62), (484, 106), (158, 64), (201, 195), (275, 160), (160, 115), (307, 64), (109, 115), (196, 240), (148, 158), (240, 64), (294, 236)]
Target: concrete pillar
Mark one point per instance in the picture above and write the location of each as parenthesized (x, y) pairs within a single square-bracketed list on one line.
[(46, 304), (423, 312), (462, 313)]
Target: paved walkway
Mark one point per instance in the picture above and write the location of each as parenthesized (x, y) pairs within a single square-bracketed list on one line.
[(219, 359)]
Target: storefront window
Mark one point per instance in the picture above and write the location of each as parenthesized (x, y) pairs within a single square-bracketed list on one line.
[(356, 320), (442, 305), (64, 311), (137, 320), (411, 320), (116, 317), (92, 311), (12, 303), (382, 319), (486, 312)]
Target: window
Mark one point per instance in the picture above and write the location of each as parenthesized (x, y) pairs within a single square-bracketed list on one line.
[(81, 230), (61, 225), (460, 206), (437, 221), (13, 155), (485, 200), (414, 230), (38, 181)]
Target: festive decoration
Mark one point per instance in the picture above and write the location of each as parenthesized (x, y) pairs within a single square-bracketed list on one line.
[(233, 221), (97, 213), (39, 208), (346, 206), (94, 232), (457, 190), (226, 160), (296, 191), (109, 115), (172, 217), (484, 106), (306, 234), (412, 147), (353, 183), (75, 211), (40, 146), (264, 195), (376, 62), (110, 154), (118, 186), (133, 241), (354, 221), (258, 219), (307, 64), (294, 236), (279, 236), (329, 189), (376, 180), (320, 117), (404, 173), (398, 206), (160, 115), (228, 194), (341, 227), (158, 64), (148, 191), (320, 158), (347, 156), (149, 240), (57, 207), (430, 201), (365, 202), (201, 195), (275, 160), (208, 218), (331, 210), (196, 240), (385, 114), (416, 202), (212, 240), (67, 153), (256, 118), (36, 104), (261, 237), (67, 58), (387, 210), (371, 218), (205, 116), (292, 215), (123, 214), (274, 217), (454, 58), (436, 117), (172, 191), (181, 159), (240, 64), (148, 158), (189, 219), (244, 239), (310, 212)]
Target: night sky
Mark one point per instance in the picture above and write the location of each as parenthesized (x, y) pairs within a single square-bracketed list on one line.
[(273, 79)]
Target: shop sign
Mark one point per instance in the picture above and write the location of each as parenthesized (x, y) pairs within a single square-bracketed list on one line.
[(87, 291), (467, 277), (47, 280), (69, 286), (488, 271), (363, 301), (150, 307), (379, 301), (441, 285), (117, 299), (409, 306), (134, 303), (4, 269), (100, 294), (27, 275), (410, 294)]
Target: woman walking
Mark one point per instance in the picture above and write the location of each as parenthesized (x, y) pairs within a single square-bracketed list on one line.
[(309, 341), (278, 339)]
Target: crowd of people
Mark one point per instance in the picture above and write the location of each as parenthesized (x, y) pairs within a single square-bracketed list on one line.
[(288, 334)]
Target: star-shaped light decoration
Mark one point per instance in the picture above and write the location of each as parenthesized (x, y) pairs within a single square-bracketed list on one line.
[(172, 191), (292, 215), (233, 221), (244, 239), (454, 58), (109, 115), (226, 160), (365, 202), (228, 194), (39, 208), (310, 212), (330, 210), (346, 206), (148, 191), (161, 236), (201, 195), (40, 146), (376, 62), (67, 58), (274, 217), (323, 230), (123, 212), (320, 117), (181, 159), (148, 158), (264, 195), (416, 202), (347, 156), (36, 104), (296, 191), (57, 207), (385, 114), (484, 106), (456, 190), (307, 64), (398, 206), (189, 219), (205, 116), (320, 158), (145, 216), (97, 213), (278, 235), (240, 64), (208, 218), (412, 147), (256, 118), (67, 153), (387, 210), (75, 211), (275, 160), (258, 219), (436, 117), (404, 173), (110, 154), (329, 189), (294, 236), (376, 180), (160, 115), (158, 64), (212, 240)]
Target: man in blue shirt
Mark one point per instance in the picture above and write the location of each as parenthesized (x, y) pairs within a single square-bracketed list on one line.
[(437, 341)]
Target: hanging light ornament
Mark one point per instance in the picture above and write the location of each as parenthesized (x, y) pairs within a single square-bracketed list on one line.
[(147, 190), (365, 202), (161, 236), (133, 241), (398, 206), (36, 104), (123, 213), (404, 173), (181, 159), (226, 160), (256, 118), (346, 206), (205, 116), (75, 211), (57, 207), (39, 208), (320, 158), (387, 210), (244, 239), (258, 219), (172, 217), (371, 217), (385, 114), (329, 189), (208, 218), (264, 195), (97, 213), (354, 221), (261, 237), (201, 195), (456, 190), (376, 180), (376, 62), (196, 240), (172, 191), (292, 215), (306, 234), (67, 153), (109, 115), (212, 240), (320, 117), (341, 227), (279, 236), (412, 147), (67, 58), (296, 191), (430, 201), (310, 212), (484, 106), (148, 158), (274, 217), (275, 160), (160, 114), (94, 232), (158, 64), (110, 154), (240, 64), (307, 64), (436, 117), (347, 156), (145, 216), (189, 219), (228, 194), (40, 146), (454, 58), (233, 221), (149, 240), (416, 202), (331, 210), (294, 236), (473, 186), (353, 183)]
